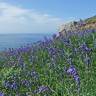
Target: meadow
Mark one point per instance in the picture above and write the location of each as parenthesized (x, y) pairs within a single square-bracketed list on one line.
[(64, 65)]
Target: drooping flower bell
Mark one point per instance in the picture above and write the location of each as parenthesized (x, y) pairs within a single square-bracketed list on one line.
[(41, 89), (85, 48), (1, 94), (73, 72)]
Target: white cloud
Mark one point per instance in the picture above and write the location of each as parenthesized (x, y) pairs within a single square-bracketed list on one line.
[(14, 19)]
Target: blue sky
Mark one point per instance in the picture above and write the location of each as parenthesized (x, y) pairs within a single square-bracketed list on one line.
[(42, 16)]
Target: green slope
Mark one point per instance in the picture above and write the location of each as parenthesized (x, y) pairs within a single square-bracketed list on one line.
[(91, 19)]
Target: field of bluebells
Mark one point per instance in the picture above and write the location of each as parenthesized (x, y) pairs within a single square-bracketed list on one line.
[(64, 65)]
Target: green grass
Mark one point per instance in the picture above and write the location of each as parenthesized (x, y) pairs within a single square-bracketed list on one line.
[(90, 20)]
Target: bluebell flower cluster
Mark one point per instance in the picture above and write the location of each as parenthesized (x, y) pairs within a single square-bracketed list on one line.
[(30, 68), (73, 72)]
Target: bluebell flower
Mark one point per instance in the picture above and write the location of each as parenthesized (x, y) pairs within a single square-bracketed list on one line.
[(25, 83), (85, 48), (14, 85), (77, 79), (67, 41), (1, 94), (11, 85), (52, 51), (72, 71), (41, 89)]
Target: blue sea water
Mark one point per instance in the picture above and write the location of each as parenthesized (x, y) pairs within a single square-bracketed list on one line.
[(18, 40)]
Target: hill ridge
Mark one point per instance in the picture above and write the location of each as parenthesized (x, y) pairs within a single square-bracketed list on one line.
[(89, 23)]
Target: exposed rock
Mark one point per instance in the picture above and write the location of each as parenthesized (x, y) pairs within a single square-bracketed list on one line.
[(75, 26)]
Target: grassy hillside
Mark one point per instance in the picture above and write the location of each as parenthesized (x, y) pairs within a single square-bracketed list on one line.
[(91, 20), (75, 26), (63, 65)]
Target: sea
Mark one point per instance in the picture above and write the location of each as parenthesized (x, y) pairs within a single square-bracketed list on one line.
[(17, 40)]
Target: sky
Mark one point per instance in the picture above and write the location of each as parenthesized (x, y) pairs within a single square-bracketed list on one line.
[(42, 16)]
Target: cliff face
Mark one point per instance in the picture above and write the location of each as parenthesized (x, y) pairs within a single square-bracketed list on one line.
[(89, 23)]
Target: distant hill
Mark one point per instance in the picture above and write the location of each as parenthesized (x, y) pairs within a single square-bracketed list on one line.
[(91, 20), (89, 23)]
